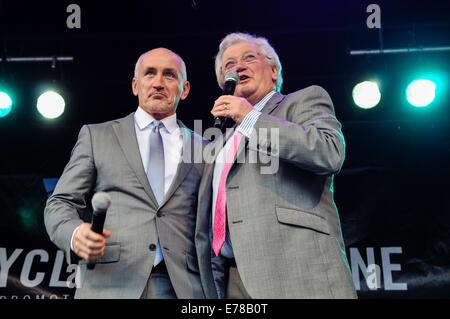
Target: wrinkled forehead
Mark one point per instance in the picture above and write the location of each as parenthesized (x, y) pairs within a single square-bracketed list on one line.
[(236, 50)]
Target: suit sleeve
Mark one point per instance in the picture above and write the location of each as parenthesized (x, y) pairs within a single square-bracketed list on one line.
[(310, 137), (68, 206)]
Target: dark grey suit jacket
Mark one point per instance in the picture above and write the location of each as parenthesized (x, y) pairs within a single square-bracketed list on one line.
[(106, 158), (284, 225)]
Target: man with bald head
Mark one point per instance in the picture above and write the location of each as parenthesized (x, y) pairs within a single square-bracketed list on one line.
[(145, 162)]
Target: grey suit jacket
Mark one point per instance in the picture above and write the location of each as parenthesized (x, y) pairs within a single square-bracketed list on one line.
[(284, 226), (106, 158)]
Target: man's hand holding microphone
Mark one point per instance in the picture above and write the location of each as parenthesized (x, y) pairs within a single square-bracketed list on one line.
[(89, 241)]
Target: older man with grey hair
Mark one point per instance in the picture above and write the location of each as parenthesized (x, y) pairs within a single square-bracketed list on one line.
[(275, 234)]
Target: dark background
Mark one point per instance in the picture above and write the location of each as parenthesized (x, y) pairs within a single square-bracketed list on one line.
[(311, 38), (393, 189)]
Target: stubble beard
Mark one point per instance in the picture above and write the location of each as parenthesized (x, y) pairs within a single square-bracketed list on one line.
[(160, 107)]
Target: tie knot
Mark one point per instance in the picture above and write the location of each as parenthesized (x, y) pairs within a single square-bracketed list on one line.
[(156, 125)]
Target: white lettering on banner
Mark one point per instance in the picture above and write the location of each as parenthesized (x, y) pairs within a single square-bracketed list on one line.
[(56, 272), (388, 268), (358, 263), (372, 272), (25, 274), (6, 263)]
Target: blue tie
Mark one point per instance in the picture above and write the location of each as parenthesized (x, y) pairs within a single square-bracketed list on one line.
[(155, 172)]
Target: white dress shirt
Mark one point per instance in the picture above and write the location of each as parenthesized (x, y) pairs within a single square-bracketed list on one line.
[(172, 143)]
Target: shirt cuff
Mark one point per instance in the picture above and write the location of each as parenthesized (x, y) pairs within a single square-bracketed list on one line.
[(71, 239), (246, 126)]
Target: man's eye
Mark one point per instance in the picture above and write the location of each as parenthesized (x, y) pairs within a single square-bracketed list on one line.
[(150, 72), (229, 65), (249, 58), (170, 74)]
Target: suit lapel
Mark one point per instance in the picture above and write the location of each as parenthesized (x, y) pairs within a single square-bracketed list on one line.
[(219, 143), (270, 106), (273, 102), (126, 135)]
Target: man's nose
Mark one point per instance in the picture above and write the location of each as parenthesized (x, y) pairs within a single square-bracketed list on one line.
[(240, 66), (158, 82)]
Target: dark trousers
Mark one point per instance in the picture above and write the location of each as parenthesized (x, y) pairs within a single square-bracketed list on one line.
[(158, 284), (235, 286)]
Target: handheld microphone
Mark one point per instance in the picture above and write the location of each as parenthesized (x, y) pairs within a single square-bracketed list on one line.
[(231, 80), (100, 204)]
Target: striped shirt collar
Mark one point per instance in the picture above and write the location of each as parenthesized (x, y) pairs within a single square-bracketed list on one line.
[(259, 106)]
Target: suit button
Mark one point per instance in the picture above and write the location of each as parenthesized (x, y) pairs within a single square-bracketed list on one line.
[(159, 214), (152, 247)]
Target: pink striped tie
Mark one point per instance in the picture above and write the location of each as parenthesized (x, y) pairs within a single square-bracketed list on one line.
[(220, 217)]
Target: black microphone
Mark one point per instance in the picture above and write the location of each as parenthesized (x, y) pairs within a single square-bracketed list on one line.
[(231, 80), (100, 204)]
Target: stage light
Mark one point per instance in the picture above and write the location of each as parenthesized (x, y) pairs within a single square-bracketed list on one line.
[(51, 105), (421, 92), (5, 104), (366, 94)]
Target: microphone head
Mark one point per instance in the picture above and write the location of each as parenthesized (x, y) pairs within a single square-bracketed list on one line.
[(232, 76), (101, 201)]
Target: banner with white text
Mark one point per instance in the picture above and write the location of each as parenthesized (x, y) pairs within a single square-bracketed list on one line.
[(396, 229)]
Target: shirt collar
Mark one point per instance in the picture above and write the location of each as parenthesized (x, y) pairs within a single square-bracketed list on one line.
[(143, 120), (259, 106)]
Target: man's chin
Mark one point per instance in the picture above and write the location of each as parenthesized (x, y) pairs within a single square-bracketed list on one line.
[(244, 91), (159, 111)]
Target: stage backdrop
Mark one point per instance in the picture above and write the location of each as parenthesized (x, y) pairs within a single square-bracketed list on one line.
[(397, 242)]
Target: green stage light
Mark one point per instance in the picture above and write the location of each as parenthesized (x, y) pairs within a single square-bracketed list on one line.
[(421, 92), (366, 94), (51, 105), (5, 104)]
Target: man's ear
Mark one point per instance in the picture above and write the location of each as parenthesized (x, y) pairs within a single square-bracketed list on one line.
[(134, 87), (186, 89), (274, 74)]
